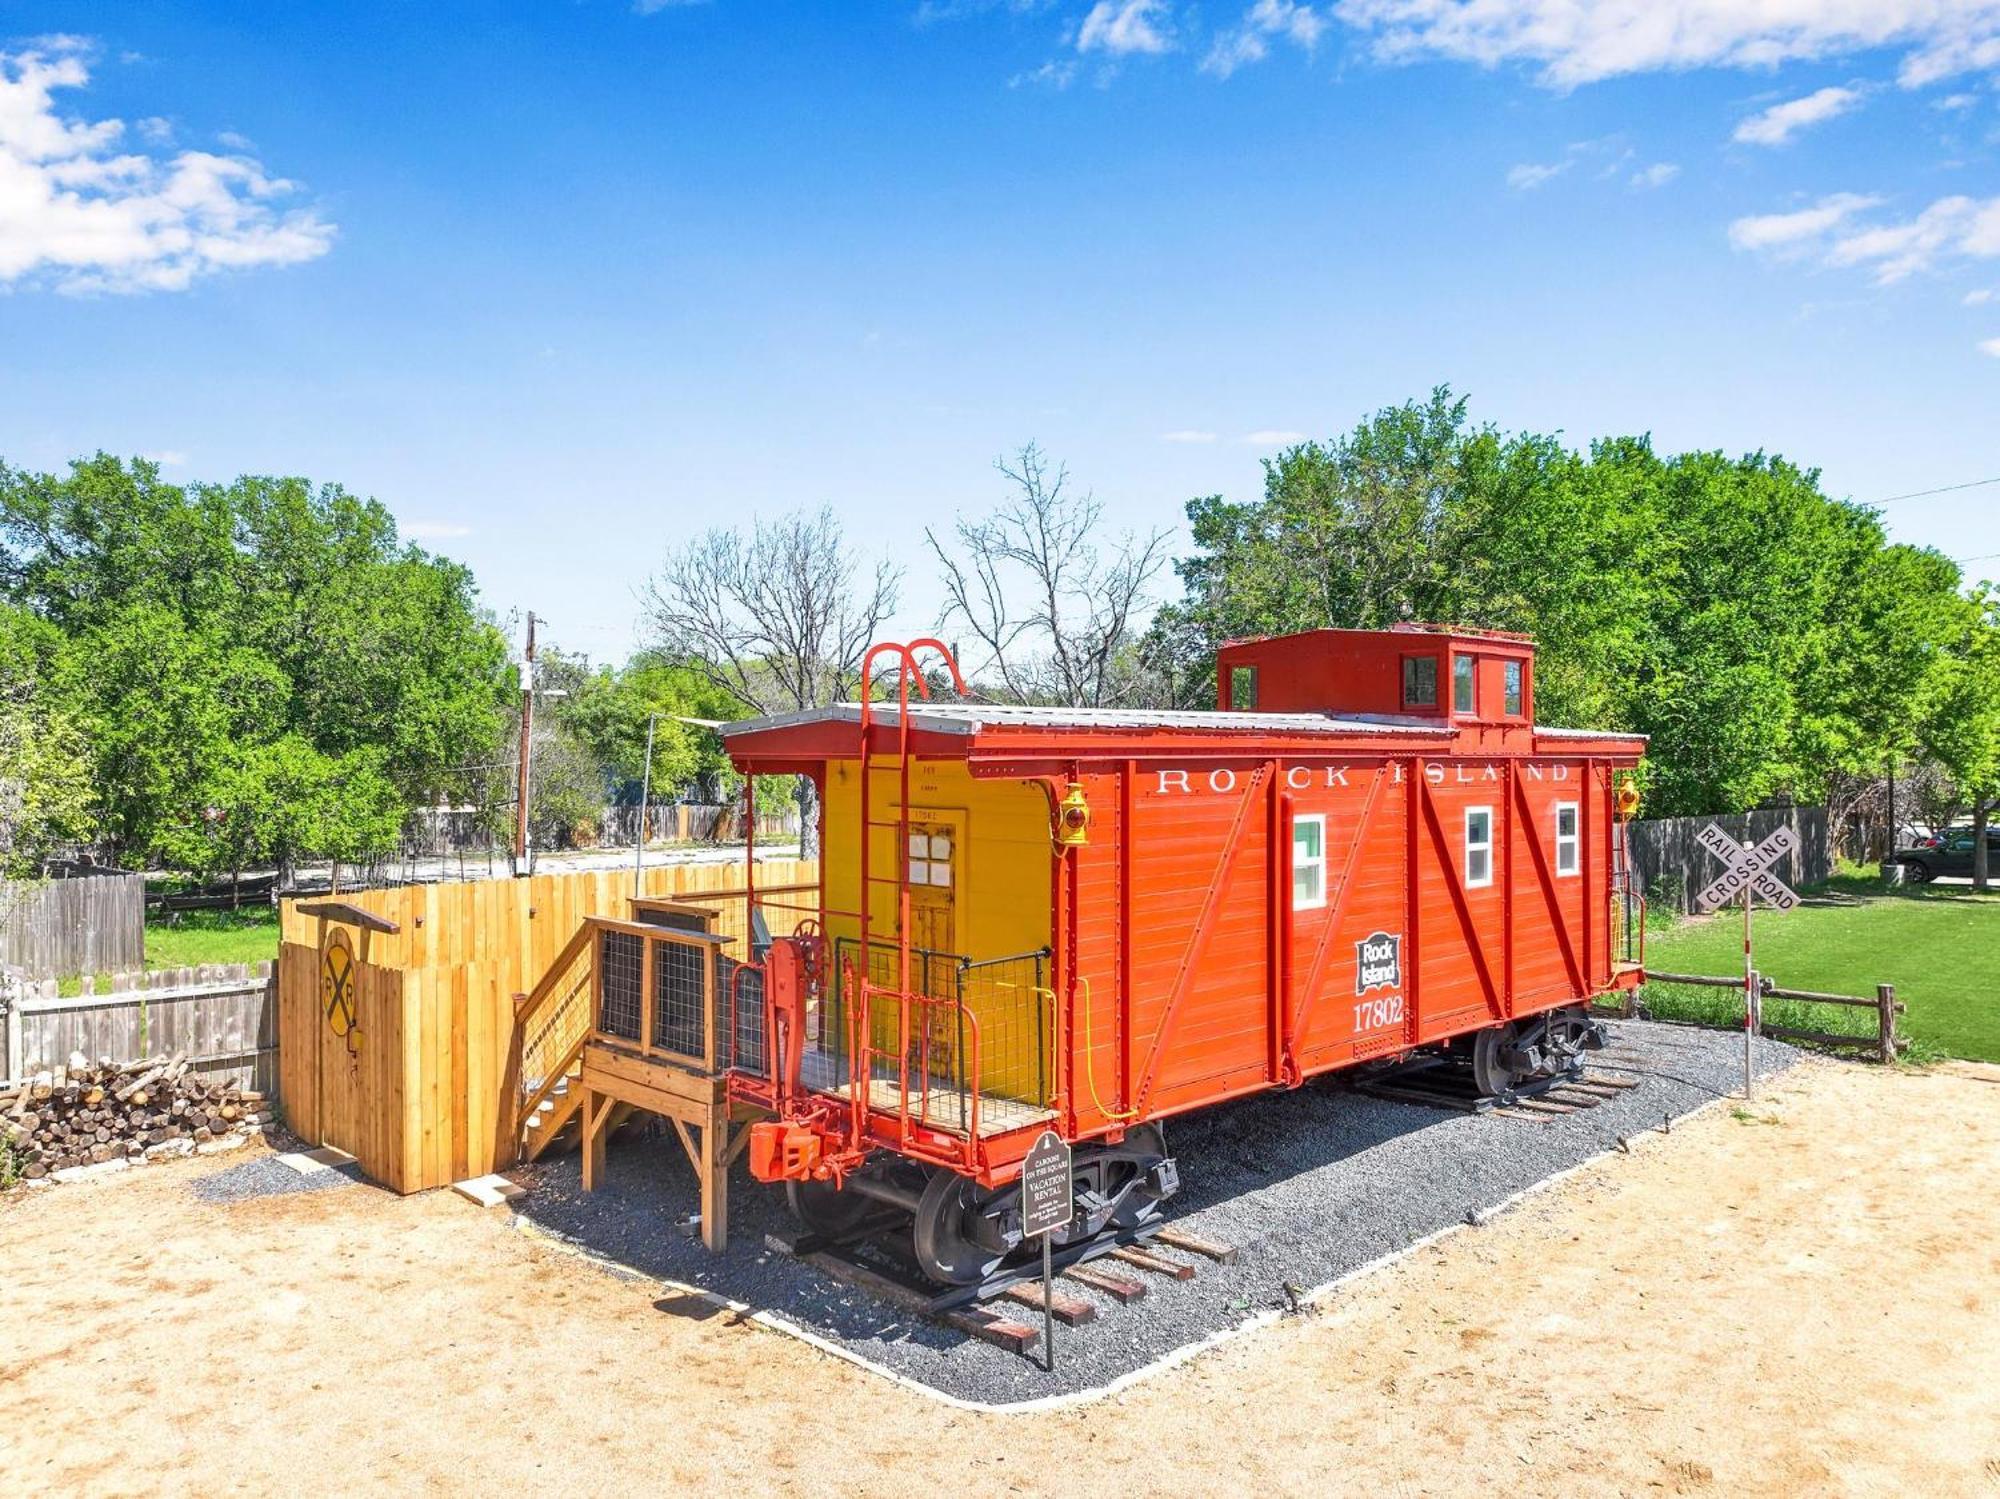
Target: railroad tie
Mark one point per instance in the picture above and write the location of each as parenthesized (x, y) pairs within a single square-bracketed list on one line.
[(1069, 1310), (1180, 1238), (1158, 1264), (1120, 1288)]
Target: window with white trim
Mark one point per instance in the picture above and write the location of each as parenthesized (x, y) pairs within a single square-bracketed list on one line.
[(1569, 845), (1308, 862), (1478, 847)]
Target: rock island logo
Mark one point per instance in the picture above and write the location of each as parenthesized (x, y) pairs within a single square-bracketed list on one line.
[(1378, 962)]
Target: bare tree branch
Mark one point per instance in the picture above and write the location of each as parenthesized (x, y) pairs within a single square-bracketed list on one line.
[(1053, 618)]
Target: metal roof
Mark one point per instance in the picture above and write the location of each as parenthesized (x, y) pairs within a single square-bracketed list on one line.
[(970, 718)]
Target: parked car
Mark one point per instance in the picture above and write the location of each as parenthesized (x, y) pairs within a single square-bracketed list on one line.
[(1949, 852)]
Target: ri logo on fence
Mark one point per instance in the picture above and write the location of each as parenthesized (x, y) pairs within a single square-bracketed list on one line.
[(336, 989)]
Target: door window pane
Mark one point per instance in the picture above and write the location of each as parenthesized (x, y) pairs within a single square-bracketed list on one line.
[(1462, 685)]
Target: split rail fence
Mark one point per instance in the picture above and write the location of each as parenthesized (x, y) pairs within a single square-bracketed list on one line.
[(1880, 1038)]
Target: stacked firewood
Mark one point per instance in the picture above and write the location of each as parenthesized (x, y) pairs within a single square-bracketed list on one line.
[(85, 1114)]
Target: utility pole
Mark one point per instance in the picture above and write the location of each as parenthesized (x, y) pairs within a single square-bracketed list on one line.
[(645, 796), (527, 739)]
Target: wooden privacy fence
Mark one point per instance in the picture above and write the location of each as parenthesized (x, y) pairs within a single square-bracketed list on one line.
[(91, 923), (1880, 1039), (396, 1007), (222, 1016)]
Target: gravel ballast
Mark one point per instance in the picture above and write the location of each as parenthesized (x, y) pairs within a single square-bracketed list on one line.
[(267, 1176), (1310, 1186)]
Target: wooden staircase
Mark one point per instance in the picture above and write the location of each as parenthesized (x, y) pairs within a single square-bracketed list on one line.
[(551, 1026)]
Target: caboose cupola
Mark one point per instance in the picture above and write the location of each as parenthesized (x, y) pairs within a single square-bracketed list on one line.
[(1433, 672)]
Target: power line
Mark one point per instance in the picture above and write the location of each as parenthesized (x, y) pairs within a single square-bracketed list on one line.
[(1918, 494)]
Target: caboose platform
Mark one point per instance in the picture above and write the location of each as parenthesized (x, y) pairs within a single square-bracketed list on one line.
[(947, 1109)]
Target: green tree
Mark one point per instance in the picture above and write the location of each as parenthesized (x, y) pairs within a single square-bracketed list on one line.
[(258, 668), (1764, 636)]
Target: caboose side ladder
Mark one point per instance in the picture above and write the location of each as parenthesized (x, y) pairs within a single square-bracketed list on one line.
[(861, 1078)]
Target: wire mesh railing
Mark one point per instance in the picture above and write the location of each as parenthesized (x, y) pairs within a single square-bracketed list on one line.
[(977, 1029)]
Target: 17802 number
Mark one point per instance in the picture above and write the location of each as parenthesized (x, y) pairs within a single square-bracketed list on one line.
[(1372, 1014)]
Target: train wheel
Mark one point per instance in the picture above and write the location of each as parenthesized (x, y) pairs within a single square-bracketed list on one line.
[(824, 1208), (953, 1228), (1490, 1072)]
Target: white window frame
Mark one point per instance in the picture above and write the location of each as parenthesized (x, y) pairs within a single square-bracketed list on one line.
[(1474, 846), (1319, 863), (1570, 843)]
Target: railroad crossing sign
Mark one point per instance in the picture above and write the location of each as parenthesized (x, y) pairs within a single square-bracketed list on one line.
[(1747, 869)]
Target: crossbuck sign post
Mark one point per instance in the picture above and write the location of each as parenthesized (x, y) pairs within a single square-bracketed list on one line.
[(1746, 872)]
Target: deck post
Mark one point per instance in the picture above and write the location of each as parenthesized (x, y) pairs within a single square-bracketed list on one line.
[(715, 1177), (596, 1113)]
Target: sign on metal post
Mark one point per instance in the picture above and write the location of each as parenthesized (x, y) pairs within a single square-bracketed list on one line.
[(1746, 872), (1047, 1204)]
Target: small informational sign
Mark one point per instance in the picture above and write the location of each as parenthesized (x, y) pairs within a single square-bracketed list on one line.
[(1047, 1203), (1747, 869)]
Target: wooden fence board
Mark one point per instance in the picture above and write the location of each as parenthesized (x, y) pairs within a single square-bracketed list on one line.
[(93, 923), (423, 1103)]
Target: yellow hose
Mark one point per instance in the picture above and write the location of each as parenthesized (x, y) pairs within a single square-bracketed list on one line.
[(1089, 1072)]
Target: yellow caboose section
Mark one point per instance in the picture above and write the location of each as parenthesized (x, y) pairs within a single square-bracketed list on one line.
[(977, 859)]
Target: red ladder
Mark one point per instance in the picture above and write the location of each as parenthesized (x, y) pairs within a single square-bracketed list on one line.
[(906, 672)]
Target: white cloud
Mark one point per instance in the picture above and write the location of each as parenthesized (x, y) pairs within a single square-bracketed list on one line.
[(1951, 227), (87, 216), (1263, 22), (1659, 174), (1991, 346), (1779, 231), (1955, 101), (158, 130), (168, 458), (1779, 123), (1051, 74), (1271, 437), (1528, 175), (1977, 298), (1577, 42), (1120, 27), (1954, 228), (1187, 434), (434, 530)]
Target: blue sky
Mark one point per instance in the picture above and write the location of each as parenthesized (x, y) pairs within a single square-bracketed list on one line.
[(562, 282)]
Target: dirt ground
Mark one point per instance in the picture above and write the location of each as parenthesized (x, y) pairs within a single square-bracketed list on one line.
[(1805, 1300)]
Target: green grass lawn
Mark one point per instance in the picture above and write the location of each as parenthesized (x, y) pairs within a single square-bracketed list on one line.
[(1940, 947), (249, 935)]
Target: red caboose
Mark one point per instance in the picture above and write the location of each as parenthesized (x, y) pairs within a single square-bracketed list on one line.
[(1092, 920)]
